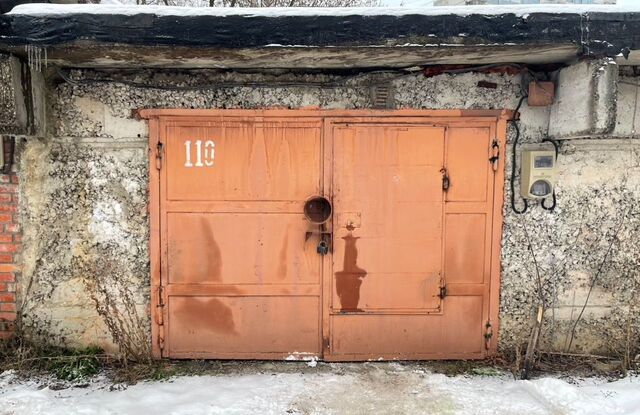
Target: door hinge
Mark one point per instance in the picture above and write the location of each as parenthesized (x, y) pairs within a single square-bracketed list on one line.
[(161, 342), (160, 320), (495, 154), (445, 179), (160, 308), (159, 155), (488, 334)]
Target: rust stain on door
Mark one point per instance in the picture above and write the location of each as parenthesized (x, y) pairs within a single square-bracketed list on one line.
[(193, 237), (349, 280), (284, 257), (212, 258), (210, 314)]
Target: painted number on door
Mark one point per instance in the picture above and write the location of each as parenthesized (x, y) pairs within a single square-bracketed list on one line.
[(204, 153)]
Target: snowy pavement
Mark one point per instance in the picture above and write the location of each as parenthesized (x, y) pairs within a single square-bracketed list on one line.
[(382, 388)]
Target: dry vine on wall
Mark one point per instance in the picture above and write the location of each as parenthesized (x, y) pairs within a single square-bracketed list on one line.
[(600, 243)]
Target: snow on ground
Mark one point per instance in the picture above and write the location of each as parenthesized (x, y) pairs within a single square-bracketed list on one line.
[(380, 388), (519, 10)]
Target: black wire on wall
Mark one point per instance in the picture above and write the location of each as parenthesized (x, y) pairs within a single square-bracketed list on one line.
[(513, 166), (514, 160), (553, 195)]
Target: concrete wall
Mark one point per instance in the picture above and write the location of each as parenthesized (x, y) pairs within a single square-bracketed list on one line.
[(12, 116), (84, 202)]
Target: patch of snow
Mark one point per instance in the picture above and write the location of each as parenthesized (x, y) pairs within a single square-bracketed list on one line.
[(406, 3), (540, 396), (129, 10), (302, 356), (339, 388)]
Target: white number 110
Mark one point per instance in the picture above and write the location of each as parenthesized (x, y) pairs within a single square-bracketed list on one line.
[(209, 153)]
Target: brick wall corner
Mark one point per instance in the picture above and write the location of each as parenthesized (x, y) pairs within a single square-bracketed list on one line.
[(10, 246)]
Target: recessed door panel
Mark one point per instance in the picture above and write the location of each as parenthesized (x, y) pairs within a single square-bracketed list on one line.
[(467, 164), (454, 335), (464, 247), (243, 326), (249, 160), (389, 176), (240, 248)]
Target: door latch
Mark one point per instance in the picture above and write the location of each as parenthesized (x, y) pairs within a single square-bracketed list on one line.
[(159, 155), (323, 247), (445, 179), (443, 292), (495, 155), (324, 244)]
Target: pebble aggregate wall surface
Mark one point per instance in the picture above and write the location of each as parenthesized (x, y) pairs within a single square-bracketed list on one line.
[(8, 115), (84, 203)]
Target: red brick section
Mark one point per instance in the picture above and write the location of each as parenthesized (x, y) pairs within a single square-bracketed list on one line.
[(10, 245)]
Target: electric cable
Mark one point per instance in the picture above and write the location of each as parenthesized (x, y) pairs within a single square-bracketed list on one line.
[(553, 204), (553, 194), (513, 162)]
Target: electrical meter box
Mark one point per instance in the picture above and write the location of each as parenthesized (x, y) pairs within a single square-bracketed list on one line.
[(537, 173)]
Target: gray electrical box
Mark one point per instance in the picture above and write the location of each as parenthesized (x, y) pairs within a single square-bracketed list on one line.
[(537, 173)]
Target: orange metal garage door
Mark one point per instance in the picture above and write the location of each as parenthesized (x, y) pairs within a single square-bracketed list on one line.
[(412, 269)]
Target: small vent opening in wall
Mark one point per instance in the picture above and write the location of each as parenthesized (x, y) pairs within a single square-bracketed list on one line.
[(382, 96)]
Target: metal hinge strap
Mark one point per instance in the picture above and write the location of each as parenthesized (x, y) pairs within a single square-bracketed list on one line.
[(160, 307), (161, 341), (160, 319)]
